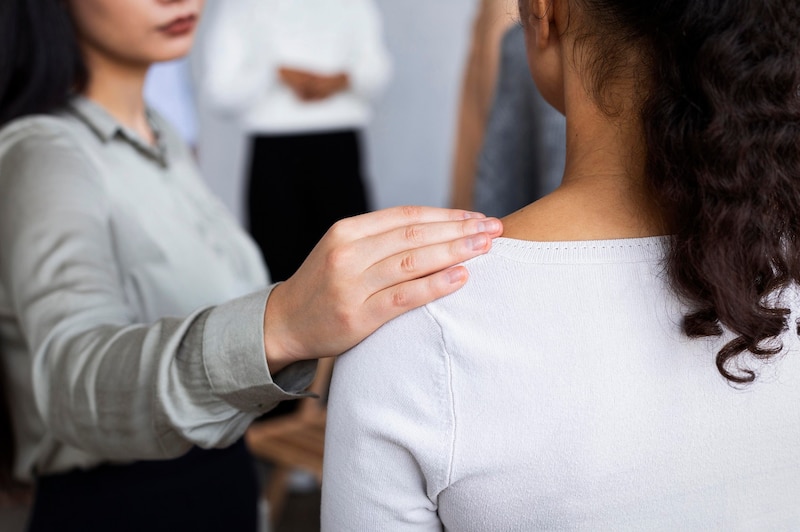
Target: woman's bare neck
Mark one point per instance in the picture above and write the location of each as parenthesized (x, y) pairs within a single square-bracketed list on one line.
[(119, 89), (586, 210), (604, 192)]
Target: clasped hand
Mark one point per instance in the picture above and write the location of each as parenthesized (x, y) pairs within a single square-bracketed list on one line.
[(367, 270), (310, 86)]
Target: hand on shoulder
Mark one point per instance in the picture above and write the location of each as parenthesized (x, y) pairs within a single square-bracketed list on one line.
[(366, 271)]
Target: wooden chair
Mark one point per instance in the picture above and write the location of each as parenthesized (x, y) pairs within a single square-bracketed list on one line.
[(293, 441)]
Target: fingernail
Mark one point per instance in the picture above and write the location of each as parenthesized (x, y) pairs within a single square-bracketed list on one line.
[(489, 226), (477, 242), (456, 275), (471, 215)]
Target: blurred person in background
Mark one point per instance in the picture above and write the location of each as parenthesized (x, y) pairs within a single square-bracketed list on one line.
[(524, 147), (492, 20), (139, 331), (627, 357), (301, 77)]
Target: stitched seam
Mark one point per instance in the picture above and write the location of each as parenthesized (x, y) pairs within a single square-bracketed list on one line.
[(546, 252), (451, 397)]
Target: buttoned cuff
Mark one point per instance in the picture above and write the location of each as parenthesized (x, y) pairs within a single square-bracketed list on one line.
[(236, 363)]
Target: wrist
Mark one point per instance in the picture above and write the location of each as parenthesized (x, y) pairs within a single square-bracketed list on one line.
[(280, 347)]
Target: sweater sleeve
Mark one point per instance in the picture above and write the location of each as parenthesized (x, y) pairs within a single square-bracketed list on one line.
[(390, 430), (102, 382), (238, 65), (370, 64)]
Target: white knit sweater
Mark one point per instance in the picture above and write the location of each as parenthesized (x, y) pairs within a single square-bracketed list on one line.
[(556, 391)]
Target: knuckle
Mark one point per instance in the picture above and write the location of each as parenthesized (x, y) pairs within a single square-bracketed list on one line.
[(343, 316), (468, 227), (408, 264), (459, 250), (400, 298), (411, 211), (415, 234), (341, 230), (339, 257), (338, 230)]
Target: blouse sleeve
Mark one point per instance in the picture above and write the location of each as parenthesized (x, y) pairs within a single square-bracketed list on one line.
[(390, 430), (102, 382)]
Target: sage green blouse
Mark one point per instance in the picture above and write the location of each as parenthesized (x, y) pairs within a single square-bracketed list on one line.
[(131, 302)]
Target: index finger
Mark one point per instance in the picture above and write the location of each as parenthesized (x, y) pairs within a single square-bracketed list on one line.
[(377, 222)]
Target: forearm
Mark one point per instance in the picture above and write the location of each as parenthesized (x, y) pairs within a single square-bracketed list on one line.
[(139, 392)]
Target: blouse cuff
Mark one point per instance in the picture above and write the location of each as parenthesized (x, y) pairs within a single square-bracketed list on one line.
[(236, 363)]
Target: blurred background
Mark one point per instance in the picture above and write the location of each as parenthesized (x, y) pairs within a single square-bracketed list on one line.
[(409, 143)]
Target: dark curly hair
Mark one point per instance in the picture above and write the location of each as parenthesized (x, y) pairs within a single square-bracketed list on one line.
[(721, 117)]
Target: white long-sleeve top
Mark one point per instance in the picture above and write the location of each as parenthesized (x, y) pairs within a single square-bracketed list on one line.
[(249, 40), (556, 391)]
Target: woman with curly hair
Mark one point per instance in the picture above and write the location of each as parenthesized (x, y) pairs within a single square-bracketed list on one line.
[(627, 355)]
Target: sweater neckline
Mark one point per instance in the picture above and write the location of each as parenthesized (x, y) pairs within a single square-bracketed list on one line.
[(645, 249)]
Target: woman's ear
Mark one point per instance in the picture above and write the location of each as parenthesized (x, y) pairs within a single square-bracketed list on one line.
[(542, 21), (545, 48)]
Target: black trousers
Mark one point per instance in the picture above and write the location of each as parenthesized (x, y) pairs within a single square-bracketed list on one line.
[(299, 185), (204, 490)]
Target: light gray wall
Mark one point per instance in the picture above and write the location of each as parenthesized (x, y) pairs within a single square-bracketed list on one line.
[(410, 142), (221, 144), (411, 138)]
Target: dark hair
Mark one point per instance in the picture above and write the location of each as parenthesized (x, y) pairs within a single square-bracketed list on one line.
[(40, 60), (722, 124), (41, 67)]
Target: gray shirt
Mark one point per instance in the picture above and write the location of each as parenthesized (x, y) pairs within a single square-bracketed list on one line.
[(122, 335)]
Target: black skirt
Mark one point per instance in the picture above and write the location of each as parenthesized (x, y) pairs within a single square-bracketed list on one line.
[(299, 186), (204, 490)]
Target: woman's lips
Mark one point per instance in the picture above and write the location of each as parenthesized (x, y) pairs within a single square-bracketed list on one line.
[(179, 26)]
